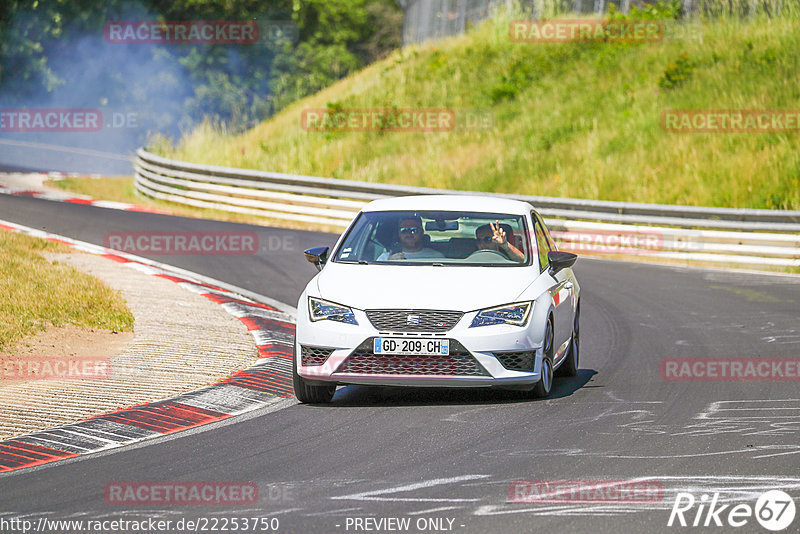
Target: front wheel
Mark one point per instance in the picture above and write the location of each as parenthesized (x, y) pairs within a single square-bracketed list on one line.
[(545, 385), (307, 393)]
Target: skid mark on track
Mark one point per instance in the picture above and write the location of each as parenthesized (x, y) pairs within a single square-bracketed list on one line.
[(486, 495), (768, 327), (767, 417), (337, 511), (731, 489), (759, 451), (756, 417), (391, 494), (434, 510), (460, 417)]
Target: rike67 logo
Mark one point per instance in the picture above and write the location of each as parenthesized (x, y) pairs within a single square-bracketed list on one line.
[(774, 510)]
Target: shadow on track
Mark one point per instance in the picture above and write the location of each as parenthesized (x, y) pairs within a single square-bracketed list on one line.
[(360, 396)]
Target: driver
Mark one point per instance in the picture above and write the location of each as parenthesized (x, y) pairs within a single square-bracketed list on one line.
[(492, 237), (412, 242)]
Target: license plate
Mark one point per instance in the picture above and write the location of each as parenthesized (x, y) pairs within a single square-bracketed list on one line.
[(411, 347)]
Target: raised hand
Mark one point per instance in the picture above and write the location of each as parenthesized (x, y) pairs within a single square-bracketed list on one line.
[(498, 234)]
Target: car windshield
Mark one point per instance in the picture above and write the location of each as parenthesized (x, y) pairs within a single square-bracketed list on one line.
[(437, 238)]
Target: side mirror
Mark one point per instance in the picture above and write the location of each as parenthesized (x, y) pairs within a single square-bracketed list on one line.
[(560, 260), (317, 255)]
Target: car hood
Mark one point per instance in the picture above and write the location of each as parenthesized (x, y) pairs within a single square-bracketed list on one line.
[(425, 287)]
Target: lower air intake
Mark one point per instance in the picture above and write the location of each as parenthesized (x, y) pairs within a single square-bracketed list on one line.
[(517, 361), (458, 363), (314, 355)]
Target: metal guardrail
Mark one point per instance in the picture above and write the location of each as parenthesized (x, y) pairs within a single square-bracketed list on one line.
[(744, 236)]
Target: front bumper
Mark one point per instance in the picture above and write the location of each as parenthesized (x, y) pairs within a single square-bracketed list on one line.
[(343, 355)]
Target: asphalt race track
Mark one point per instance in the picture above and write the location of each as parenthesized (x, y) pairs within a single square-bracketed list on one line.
[(444, 459)]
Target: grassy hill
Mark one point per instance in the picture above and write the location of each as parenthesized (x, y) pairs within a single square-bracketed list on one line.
[(569, 119)]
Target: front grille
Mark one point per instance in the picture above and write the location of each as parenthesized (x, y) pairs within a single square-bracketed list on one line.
[(459, 363), (517, 361), (315, 355), (414, 320)]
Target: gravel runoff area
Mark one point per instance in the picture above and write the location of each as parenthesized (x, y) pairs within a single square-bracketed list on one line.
[(181, 341), (34, 181)]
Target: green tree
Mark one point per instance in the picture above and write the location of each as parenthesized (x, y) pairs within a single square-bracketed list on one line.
[(337, 37), (53, 51)]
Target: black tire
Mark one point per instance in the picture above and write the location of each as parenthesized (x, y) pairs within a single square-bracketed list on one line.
[(570, 365), (544, 386), (305, 392)]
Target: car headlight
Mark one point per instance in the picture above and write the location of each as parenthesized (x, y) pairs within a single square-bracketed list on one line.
[(514, 314), (320, 310)]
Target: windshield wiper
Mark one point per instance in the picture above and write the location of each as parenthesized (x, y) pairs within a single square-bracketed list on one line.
[(437, 264)]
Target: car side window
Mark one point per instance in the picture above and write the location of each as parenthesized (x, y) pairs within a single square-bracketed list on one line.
[(547, 235), (542, 246)]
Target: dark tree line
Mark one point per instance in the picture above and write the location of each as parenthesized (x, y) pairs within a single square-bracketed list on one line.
[(53, 53)]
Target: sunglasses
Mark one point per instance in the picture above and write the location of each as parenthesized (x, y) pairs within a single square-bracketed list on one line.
[(411, 230), (487, 239)]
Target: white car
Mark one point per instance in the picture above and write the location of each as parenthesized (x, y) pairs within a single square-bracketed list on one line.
[(438, 290)]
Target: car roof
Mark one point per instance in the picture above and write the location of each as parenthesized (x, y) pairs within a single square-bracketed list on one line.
[(474, 203)]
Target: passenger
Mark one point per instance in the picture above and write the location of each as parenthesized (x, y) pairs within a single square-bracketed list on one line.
[(512, 239), (412, 241), (492, 237)]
